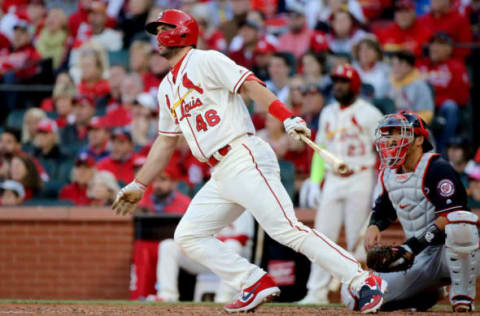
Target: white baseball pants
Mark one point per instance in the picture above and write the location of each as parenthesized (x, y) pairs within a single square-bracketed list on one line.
[(344, 200), (248, 177), (171, 259)]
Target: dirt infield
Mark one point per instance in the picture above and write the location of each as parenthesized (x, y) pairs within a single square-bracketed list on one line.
[(159, 309)]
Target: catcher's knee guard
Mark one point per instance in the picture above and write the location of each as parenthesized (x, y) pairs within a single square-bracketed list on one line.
[(461, 252)]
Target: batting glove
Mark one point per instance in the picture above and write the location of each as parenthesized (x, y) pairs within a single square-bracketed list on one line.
[(295, 126), (128, 197), (310, 194)]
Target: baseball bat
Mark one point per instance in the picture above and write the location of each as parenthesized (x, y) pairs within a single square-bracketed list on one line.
[(336, 163)]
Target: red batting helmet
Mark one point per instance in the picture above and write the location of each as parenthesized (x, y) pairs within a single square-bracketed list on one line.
[(347, 72), (185, 32)]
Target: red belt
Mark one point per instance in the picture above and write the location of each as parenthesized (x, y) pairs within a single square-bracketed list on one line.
[(212, 161)]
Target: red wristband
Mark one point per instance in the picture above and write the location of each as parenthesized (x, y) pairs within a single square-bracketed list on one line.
[(279, 110), (141, 185)]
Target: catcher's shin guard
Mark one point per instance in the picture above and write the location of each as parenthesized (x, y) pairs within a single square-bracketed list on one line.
[(461, 254)]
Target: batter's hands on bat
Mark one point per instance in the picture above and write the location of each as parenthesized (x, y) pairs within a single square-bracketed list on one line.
[(295, 125), (128, 197), (372, 237), (310, 194)]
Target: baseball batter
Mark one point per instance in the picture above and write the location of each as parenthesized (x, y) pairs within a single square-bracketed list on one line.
[(426, 195), (200, 99), (236, 236), (346, 129)]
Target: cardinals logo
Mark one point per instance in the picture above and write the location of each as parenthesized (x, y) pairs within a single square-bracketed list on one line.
[(187, 83)]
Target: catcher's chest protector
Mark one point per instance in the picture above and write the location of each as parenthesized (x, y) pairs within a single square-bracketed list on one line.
[(414, 210)]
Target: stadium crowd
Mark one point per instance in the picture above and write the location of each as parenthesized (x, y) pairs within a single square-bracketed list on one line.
[(79, 82)]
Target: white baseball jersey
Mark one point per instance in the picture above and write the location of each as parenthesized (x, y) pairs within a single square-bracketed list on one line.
[(203, 103), (349, 132)]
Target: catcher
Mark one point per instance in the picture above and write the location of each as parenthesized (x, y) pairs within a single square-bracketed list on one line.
[(424, 192)]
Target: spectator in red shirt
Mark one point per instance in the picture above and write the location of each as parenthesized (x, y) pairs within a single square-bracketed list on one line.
[(297, 40), (444, 18), (92, 84), (449, 78), (120, 115), (140, 55), (248, 32), (407, 33), (76, 192), (98, 139), (102, 189), (163, 197), (120, 161)]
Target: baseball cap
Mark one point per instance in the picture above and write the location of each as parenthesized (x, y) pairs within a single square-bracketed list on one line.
[(122, 133), (441, 37), (265, 47), (21, 24), (84, 159), (14, 186), (47, 126), (404, 5)]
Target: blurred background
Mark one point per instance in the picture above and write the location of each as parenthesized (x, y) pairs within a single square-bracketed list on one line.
[(78, 114)]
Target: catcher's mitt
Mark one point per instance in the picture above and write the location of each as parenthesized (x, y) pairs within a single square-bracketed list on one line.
[(389, 259)]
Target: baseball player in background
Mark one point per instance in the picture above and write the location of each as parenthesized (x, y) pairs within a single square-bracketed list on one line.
[(237, 236), (426, 195), (346, 129), (200, 98)]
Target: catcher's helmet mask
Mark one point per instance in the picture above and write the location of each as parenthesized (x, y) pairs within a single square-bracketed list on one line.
[(395, 133)]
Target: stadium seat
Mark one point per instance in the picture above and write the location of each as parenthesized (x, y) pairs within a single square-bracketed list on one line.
[(287, 176), (15, 119)]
